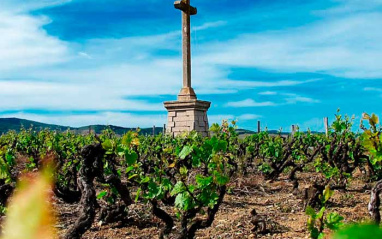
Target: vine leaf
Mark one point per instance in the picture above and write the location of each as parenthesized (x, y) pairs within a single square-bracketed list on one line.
[(30, 212), (185, 152)]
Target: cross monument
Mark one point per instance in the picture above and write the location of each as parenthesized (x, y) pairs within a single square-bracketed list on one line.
[(187, 113)]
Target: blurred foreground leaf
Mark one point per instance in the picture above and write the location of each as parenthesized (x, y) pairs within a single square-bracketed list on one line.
[(30, 214), (359, 232)]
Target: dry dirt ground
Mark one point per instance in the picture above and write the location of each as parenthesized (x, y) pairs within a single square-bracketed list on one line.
[(272, 200)]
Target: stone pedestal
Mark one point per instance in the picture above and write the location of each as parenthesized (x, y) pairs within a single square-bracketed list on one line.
[(186, 116)]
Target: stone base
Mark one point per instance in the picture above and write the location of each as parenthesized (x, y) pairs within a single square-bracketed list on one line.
[(186, 116), (187, 94)]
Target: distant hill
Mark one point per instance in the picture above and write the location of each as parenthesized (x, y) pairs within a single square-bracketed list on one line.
[(7, 124)]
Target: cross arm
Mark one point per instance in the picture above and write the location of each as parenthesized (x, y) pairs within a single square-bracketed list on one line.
[(181, 5)]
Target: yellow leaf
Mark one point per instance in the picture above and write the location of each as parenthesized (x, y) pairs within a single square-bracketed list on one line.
[(135, 141), (30, 214), (374, 120), (367, 132), (172, 165), (365, 116)]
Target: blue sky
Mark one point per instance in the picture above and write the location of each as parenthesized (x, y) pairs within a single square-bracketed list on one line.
[(79, 62)]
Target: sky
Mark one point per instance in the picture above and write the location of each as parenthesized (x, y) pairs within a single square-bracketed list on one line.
[(283, 62)]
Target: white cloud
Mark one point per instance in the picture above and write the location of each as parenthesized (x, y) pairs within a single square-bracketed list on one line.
[(246, 117), (209, 25), (294, 98), (249, 103), (268, 93), (25, 44), (346, 45), (219, 118), (18, 95), (372, 89), (314, 124), (17, 6), (290, 98), (351, 7), (84, 54)]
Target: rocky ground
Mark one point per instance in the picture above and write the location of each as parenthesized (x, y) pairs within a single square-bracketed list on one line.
[(273, 201)]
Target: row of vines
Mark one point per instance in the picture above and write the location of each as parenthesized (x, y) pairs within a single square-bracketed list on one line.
[(184, 179)]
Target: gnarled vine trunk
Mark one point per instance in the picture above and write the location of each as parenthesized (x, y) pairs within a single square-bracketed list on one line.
[(91, 168), (375, 202)]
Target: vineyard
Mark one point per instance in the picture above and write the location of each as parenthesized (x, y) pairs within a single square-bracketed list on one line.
[(303, 185)]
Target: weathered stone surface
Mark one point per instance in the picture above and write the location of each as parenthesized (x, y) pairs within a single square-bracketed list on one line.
[(189, 115), (182, 124)]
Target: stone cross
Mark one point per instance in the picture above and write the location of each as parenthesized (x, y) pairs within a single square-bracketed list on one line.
[(187, 113), (186, 93)]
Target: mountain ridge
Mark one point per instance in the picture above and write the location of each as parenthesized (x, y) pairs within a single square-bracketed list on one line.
[(16, 124)]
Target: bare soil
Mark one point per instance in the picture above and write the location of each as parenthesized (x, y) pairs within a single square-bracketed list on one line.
[(271, 200)]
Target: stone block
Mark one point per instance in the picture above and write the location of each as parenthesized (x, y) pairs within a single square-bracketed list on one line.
[(199, 129), (181, 119), (181, 114), (199, 113), (171, 124), (171, 113), (181, 129), (181, 124), (191, 124)]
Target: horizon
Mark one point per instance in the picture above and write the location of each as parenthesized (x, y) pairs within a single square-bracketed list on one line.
[(80, 62), (355, 128)]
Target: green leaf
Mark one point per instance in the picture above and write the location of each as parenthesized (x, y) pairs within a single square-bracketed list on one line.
[(183, 201), (359, 232), (145, 180), (185, 152), (183, 171), (153, 190), (166, 184), (320, 214), (221, 179), (132, 176), (215, 128), (4, 169), (138, 193), (178, 188), (107, 145), (327, 194), (203, 181), (321, 236), (128, 169), (131, 157), (102, 194), (310, 212), (180, 200), (314, 233), (334, 221)]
